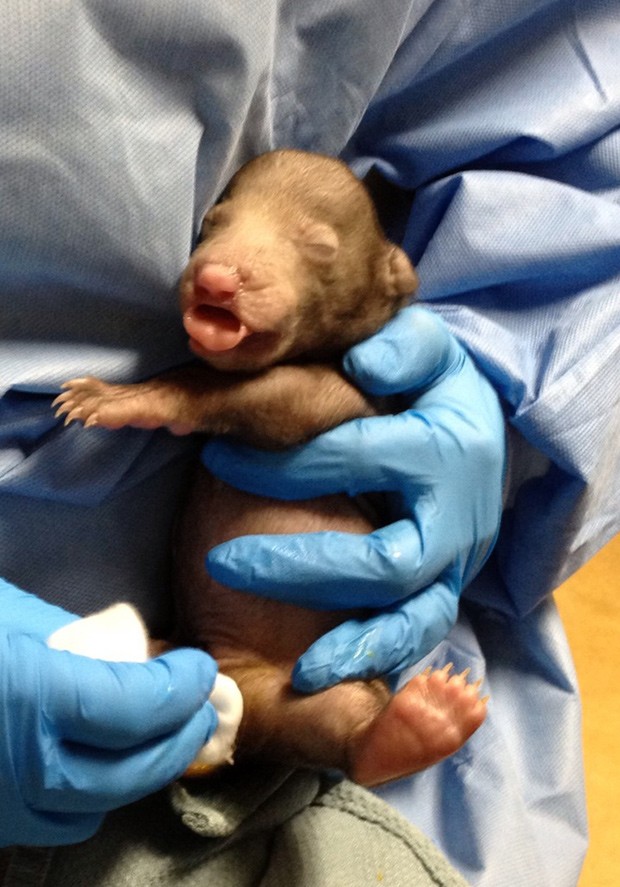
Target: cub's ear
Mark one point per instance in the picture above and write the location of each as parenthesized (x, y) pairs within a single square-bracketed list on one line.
[(401, 278), (318, 241)]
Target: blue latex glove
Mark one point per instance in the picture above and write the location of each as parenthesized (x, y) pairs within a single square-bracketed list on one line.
[(443, 460), (78, 736)]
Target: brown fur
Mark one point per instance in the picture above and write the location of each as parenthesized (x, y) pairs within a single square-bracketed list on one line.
[(293, 268)]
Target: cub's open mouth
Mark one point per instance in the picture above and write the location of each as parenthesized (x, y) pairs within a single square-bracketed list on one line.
[(213, 328)]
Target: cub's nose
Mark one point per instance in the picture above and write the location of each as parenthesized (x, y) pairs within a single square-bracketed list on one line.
[(215, 284), (210, 320)]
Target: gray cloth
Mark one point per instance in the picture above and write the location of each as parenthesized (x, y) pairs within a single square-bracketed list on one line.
[(265, 828)]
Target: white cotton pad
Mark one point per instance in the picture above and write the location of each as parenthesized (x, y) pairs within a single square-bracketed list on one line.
[(118, 634), (227, 700)]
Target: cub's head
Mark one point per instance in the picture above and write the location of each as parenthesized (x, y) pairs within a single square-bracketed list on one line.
[(292, 261)]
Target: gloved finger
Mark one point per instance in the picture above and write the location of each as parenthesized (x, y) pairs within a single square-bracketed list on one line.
[(356, 457), (80, 779), (21, 611), (411, 352), (331, 570), (56, 830), (383, 645), (116, 705)]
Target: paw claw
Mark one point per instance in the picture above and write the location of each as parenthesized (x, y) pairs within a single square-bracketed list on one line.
[(75, 413)]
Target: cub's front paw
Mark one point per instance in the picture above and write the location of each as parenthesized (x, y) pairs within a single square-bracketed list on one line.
[(99, 404)]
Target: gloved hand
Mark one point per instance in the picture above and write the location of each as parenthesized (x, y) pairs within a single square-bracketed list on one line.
[(442, 461), (79, 736)]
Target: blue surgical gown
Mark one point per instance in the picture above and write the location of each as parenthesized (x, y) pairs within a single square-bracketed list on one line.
[(119, 125)]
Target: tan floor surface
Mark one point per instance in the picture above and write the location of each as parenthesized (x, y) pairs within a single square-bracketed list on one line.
[(590, 607)]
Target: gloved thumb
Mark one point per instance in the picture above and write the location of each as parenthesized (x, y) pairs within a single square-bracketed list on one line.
[(383, 645), (410, 353), (28, 614)]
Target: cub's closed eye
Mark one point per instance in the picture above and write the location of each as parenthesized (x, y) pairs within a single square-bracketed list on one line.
[(217, 215), (318, 240)]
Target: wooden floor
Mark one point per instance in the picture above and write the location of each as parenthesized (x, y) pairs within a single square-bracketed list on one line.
[(590, 607)]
